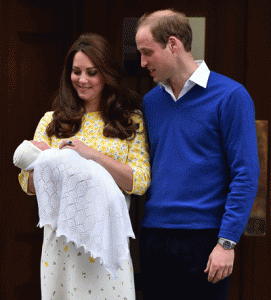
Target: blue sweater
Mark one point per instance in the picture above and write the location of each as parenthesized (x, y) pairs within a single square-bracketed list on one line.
[(203, 151)]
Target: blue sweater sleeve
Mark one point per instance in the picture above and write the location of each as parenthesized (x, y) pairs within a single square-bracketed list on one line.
[(238, 133)]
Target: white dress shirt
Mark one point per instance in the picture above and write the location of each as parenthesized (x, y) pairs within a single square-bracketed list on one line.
[(200, 77)]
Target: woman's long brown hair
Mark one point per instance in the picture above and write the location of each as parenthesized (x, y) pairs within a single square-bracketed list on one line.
[(117, 105)]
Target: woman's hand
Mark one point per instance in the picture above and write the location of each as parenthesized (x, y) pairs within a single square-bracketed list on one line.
[(122, 173), (80, 147), (30, 185)]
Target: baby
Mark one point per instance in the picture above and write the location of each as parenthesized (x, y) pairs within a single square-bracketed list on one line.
[(80, 200), (27, 153)]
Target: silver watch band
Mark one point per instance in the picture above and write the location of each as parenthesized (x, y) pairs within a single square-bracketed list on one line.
[(226, 244), (223, 239)]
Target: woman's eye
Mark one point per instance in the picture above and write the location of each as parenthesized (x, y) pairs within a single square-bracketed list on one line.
[(89, 73), (76, 72), (92, 73)]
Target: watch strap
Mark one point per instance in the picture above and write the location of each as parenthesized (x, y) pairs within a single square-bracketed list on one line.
[(226, 244)]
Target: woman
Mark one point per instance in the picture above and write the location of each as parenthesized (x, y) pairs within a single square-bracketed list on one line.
[(97, 117)]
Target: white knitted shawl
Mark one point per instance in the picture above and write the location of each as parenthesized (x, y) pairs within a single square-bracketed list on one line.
[(81, 201)]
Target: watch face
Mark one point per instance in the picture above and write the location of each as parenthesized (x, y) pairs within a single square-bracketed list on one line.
[(227, 245)]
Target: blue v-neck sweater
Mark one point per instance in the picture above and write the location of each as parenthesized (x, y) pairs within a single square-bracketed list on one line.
[(203, 151)]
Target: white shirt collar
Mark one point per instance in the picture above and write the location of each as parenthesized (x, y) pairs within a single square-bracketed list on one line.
[(199, 77), (201, 74)]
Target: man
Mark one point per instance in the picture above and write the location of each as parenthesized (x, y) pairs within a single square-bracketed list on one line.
[(205, 168)]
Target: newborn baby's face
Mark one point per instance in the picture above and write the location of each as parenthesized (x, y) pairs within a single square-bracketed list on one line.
[(41, 145)]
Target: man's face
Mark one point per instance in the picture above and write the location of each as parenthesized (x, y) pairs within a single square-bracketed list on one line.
[(157, 60)]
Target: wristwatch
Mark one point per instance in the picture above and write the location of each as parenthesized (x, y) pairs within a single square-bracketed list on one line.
[(226, 244)]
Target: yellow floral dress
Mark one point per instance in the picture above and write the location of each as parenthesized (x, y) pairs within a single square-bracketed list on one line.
[(66, 271)]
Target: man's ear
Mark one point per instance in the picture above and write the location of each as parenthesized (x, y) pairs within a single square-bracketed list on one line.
[(173, 43)]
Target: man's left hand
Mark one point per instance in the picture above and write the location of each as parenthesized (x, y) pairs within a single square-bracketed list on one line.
[(220, 264)]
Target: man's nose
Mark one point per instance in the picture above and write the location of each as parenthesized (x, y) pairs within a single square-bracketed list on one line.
[(143, 62)]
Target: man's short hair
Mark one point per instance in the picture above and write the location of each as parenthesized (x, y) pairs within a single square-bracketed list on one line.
[(166, 23)]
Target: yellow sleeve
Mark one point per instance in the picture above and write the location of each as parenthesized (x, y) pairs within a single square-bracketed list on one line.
[(138, 159), (40, 136)]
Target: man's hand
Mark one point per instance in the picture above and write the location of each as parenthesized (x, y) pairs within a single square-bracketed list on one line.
[(41, 145), (220, 264)]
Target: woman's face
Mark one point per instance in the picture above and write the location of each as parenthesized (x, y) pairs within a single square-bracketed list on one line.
[(87, 81)]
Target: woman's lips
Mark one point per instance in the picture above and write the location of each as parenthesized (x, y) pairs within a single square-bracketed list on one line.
[(83, 88)]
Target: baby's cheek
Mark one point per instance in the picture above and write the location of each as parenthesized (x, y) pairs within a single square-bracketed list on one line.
[(41, 145)]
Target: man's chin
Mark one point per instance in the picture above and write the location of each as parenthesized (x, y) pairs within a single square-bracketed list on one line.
[(160, 80), (156, 79)]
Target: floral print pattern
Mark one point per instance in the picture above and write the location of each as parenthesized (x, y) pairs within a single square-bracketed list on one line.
[(131, 152), (67, 272)]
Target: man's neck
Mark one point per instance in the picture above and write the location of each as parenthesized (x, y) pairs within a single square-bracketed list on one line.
[(178, 81)]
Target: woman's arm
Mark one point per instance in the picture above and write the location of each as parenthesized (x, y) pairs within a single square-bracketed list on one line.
[(133, 176), (41, 136), (122, 173)]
